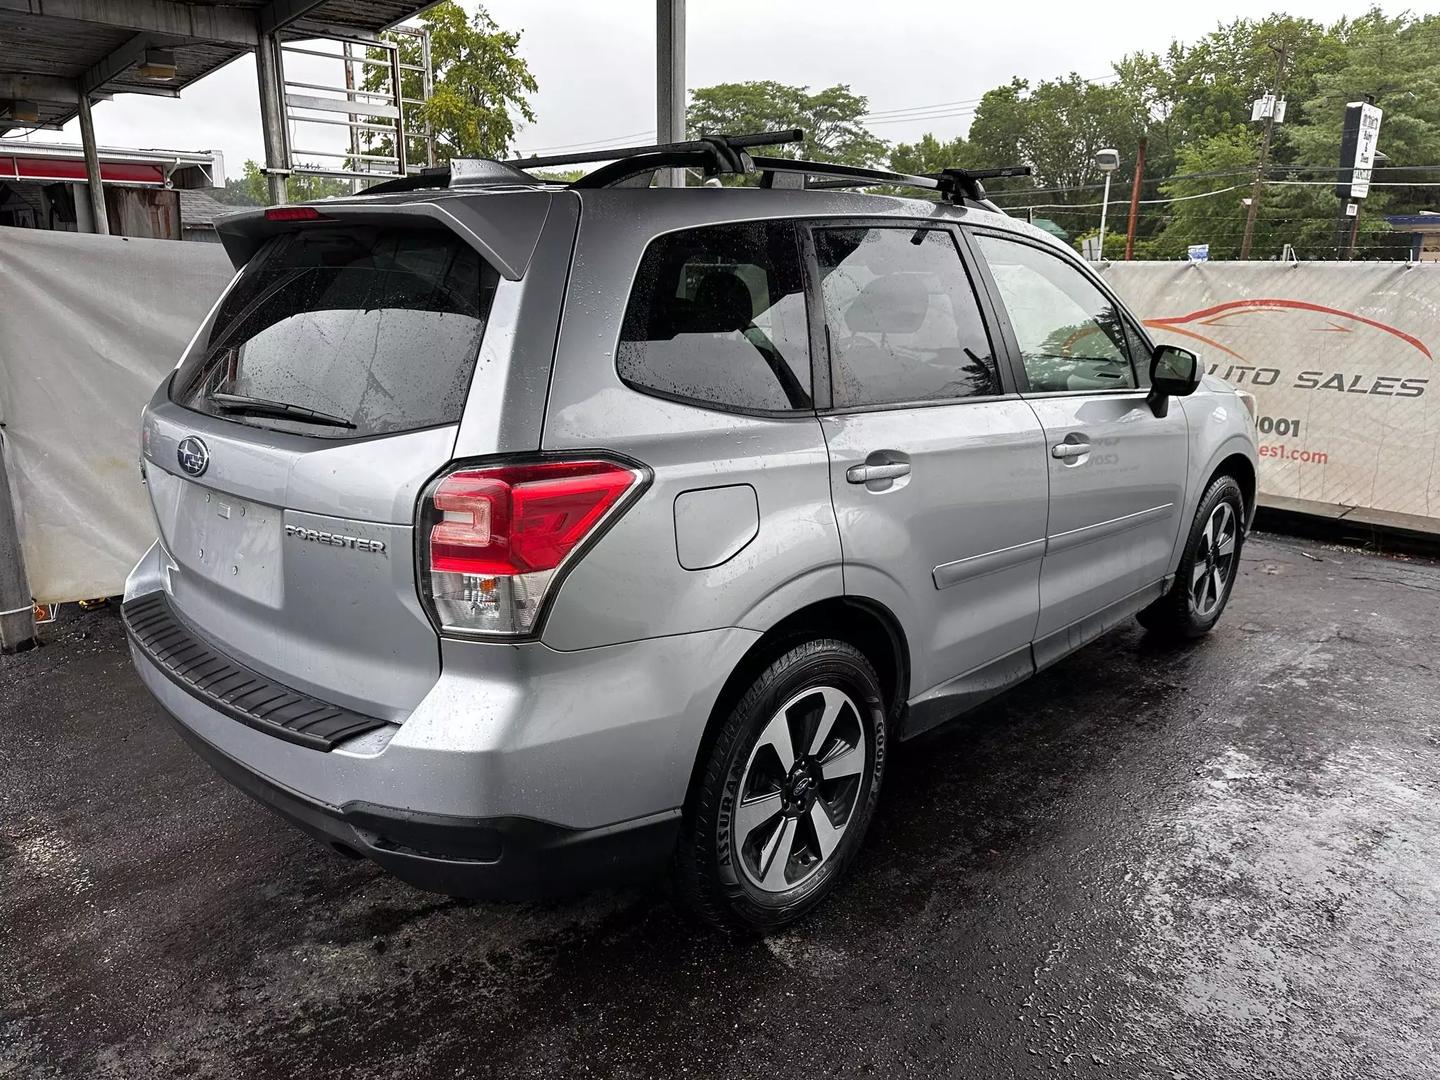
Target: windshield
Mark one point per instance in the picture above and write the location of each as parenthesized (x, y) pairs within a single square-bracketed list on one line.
[(340, 332)]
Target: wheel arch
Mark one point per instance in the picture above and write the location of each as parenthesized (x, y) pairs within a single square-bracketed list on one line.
[(861, 621), (1239, 466)]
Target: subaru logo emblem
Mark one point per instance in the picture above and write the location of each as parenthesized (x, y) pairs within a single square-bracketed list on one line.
[(193, 455)]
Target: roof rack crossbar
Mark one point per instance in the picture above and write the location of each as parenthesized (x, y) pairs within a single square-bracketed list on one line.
[(724, 148), (836, 176)]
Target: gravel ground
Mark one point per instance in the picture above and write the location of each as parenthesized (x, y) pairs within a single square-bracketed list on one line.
[(1215, 861)]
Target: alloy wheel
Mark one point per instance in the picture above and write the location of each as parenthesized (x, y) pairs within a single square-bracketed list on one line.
[(1214, 560), (799, 790)]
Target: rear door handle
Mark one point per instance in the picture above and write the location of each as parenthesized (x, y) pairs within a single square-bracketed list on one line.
[(1069, 449), (860, 474)]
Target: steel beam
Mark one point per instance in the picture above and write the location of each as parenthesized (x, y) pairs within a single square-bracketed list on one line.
[(280, 13), (117, 63), (670, 81), (272, 116), (92, 168), (20, 87), (196, 22)]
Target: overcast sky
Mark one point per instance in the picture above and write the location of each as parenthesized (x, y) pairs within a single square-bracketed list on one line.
[(595, 62)]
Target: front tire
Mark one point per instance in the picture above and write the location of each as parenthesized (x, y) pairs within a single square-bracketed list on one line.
[(1207, 569), (786, 792)]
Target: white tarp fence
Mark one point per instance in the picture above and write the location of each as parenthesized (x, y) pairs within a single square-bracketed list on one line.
[(1341, 358), (89, 326)]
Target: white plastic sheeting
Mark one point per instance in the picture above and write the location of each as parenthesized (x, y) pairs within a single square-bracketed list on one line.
[(1341, 358), (89, 326)]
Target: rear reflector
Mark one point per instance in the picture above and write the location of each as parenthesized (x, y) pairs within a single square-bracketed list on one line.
[(491, 539), (294, 213)]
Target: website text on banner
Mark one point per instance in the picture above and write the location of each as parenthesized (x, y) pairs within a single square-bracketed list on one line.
[(89, 325), (1341, 358)]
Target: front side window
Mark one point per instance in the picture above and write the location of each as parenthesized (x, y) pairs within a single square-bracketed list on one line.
[(717, 317), (1071, 336), (345, 331), (901, 317)]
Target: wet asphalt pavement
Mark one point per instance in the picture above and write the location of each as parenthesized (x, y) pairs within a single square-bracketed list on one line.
[(1216, 861)]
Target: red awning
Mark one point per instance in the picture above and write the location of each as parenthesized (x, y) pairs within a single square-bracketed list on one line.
[(49, 170)]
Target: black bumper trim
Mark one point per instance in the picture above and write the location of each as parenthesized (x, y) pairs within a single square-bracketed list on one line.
[(503, 858), (231, 688)]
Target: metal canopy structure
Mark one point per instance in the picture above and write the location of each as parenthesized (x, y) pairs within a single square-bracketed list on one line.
[(59, 56), (53, 50)]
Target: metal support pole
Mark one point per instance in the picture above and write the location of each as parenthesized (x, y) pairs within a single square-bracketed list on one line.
[(402, 150), (1135, 199), (17, 617), (272, 117), (1104, 206), (428, 75), (92, 168), (351, 118), (670, 81)]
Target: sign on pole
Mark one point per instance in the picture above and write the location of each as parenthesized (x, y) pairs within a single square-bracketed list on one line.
[(1267, 106), (1198, 252), (1357, 149)]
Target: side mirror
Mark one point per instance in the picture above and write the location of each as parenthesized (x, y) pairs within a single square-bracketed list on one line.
[(1173, 373)]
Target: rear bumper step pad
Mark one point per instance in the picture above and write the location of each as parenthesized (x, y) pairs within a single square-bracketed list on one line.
[(230, 687)]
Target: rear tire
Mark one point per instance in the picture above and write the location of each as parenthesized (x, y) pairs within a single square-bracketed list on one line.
[(786, 792), (1207, 569)]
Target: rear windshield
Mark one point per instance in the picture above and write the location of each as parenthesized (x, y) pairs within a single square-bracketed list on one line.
[(345, 332)]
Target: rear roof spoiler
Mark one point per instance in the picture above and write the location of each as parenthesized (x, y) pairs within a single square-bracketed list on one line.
[(504, 229)]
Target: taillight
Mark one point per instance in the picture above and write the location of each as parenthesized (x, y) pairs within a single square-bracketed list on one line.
[(491, 539)]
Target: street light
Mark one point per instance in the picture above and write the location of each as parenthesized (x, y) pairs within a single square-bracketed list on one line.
[(1107, 161)]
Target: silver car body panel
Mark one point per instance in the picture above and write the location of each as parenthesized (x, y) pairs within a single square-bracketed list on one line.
[(992, 556), (970, 514)]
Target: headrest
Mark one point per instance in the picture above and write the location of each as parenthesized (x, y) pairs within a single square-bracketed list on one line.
[(894, 304), (722, 305)]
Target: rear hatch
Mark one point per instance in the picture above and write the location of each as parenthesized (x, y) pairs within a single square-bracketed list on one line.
[(287, 452)]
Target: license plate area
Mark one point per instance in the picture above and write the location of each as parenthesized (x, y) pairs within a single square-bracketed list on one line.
[(232, 543)]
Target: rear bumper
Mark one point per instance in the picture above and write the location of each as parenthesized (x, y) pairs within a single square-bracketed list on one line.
[(494, 859), (524, 771)]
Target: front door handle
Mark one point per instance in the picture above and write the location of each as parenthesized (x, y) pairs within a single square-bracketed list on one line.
[(861, 474), (1069, 449)]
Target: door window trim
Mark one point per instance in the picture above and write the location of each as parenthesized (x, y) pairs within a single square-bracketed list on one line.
[(1016, 363), (821, 360)]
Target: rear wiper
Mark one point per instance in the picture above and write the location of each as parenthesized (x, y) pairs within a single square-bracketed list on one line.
[(242, 405)]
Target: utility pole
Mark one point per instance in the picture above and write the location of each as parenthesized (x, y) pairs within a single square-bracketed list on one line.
[(1259, 185), (1135, 199)]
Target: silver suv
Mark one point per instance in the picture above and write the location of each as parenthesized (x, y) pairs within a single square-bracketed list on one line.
[(519, 536)]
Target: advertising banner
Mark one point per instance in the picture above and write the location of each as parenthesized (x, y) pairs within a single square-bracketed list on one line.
[(89, 326), (1340, 356)]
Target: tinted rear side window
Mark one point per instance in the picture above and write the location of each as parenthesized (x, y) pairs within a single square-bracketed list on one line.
[(717, 317), (377, 330), (902, 318)]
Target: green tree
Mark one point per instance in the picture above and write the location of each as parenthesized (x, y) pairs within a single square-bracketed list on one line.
[(929, 155), (238, 190), (1055, 127), (830, 118), (480, 94), (252, 190), (1204, 212)]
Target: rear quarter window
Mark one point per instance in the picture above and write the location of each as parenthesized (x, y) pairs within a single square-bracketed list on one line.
[(345, 332), (717, 317)]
